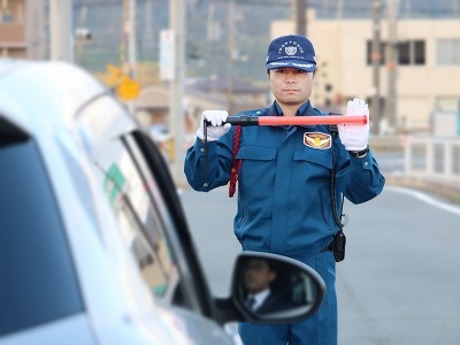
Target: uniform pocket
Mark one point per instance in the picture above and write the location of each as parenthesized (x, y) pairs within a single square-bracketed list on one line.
[(311, 176), (319, 157), (257, 168), (256, 153), (257, 176)]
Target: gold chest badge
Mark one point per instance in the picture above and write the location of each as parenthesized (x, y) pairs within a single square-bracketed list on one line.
[(317, 140)]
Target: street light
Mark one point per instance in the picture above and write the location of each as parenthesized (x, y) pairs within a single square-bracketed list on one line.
[(376, 58)]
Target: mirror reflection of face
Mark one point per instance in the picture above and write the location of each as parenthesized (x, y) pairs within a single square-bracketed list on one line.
[(258, 275)]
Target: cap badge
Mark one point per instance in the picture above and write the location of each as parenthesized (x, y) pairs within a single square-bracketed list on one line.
[(290, 50)]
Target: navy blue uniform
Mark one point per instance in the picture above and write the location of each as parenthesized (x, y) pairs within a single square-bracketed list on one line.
[(284, 203)]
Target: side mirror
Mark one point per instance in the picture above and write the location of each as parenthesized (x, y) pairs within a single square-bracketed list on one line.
[(270, 288)]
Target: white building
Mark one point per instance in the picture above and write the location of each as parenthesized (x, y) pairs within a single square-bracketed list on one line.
[(428, 69)]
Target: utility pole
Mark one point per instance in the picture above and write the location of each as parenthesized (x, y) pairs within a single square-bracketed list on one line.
[(375, 58), (300, 13), (339, 9), (132, 46), (213, 36), (176, 103), (392, 63), (128, 54), (230, 55), (35, 30), (61, 35)]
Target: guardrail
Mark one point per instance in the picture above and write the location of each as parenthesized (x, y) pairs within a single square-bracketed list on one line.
[(433, 158), (431, 165), (386, 143)]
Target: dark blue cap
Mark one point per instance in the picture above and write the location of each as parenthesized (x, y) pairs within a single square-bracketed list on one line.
[(293, 51)]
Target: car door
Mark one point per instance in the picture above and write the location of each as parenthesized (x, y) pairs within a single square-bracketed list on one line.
[(142, 196)]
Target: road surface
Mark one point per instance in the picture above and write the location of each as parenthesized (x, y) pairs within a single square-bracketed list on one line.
[(400, 281)]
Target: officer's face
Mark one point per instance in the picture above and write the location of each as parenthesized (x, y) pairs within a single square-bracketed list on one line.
[(291, 86)]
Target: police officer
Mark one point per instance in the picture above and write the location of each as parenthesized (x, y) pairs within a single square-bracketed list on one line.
[(284, 197)]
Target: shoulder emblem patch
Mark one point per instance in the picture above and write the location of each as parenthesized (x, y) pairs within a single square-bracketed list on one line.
[(317, 140)]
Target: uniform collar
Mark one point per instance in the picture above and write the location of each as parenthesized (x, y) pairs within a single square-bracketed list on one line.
[(304, 110)]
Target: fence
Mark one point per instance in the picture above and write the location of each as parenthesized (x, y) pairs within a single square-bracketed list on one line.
[(433, 158)]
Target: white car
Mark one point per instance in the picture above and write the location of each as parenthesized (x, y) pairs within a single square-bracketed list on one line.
[(94, 244)]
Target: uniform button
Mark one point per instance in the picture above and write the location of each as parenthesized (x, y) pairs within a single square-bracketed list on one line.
[(202, 150), (366, 164)]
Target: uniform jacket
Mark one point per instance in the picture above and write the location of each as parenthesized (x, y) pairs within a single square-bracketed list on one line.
[(284, 198)]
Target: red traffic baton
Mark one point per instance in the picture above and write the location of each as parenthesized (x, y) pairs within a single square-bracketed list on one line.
[(245, 120)]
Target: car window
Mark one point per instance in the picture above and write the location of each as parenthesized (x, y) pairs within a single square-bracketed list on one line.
[(136, 181), (142, 228), (38, 283)]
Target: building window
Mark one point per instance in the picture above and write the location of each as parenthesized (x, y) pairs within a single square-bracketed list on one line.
[(419, 52), (403, 53), (409, 52), (448, 52)]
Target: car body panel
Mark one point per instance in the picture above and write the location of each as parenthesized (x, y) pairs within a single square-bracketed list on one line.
[(56, 332), (116, 298)]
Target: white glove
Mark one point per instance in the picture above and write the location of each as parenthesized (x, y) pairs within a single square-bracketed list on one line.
[(216, 130), (355, 137)]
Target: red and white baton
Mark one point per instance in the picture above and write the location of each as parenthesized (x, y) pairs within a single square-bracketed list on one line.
[(245, 120)]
